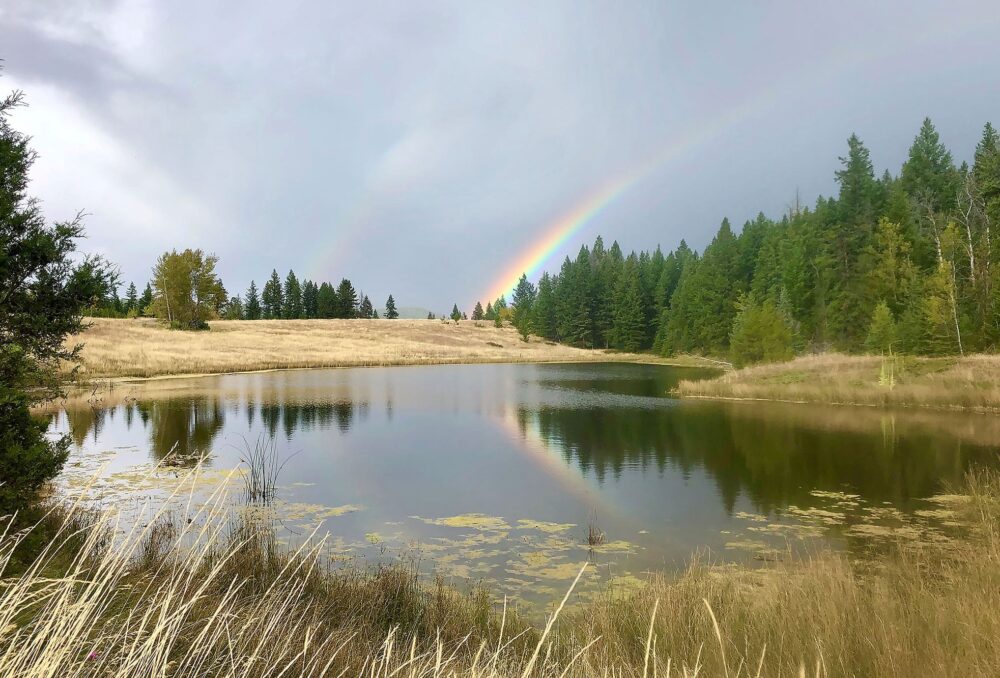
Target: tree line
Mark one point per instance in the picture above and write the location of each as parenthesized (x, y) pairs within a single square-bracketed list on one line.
[(186, 292), (905, 263)]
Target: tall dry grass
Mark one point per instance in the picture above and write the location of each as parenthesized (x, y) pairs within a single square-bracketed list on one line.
[(146, 348), (216, 597), (971, 382)]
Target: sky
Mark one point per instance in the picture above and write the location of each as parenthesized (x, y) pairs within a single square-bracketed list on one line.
[(422, 148)]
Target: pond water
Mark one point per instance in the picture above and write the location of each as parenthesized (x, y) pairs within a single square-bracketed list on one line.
[(500, 472)]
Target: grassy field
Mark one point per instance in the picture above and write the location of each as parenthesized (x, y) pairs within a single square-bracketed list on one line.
[(145, 348), (213, 595), (971, 383)]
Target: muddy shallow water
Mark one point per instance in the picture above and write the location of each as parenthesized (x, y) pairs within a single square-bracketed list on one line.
[(500, 472)]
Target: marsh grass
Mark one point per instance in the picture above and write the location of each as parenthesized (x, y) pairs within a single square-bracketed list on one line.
[(971, 382), (200, 598), (145, 348)]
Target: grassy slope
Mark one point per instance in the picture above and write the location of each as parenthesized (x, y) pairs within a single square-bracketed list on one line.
[(144, 348), (207, 598), (972, 382)]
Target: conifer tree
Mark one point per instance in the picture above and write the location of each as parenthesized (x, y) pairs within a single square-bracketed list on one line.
[(251, 307), (310, 299), (146, 299), (477, 312), (524, 297), (881, 330), (365, 309), (762, 332), (543, 311), (271, 297), (456, 315), (131, 299), (628, 330), (291, 307), (390, 309), (347, 300), (489, 313), (326, 301)]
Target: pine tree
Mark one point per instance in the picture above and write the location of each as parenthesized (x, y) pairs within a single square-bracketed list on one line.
[(456, 315), (365, 309), (131, 299), (881, 330), (146, 300), (762, 333), (544, 309), (291, 307), (524, 297), (271, 297), (251, 308), (489, 313), (310, 299), (234, 309), (929, 174), (628, 330), (347, 300), (390, 309), (326, 301), (477, 312)]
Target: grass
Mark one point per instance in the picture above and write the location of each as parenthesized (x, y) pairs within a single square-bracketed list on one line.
[(215, 596), (970, 383), (117, 348)]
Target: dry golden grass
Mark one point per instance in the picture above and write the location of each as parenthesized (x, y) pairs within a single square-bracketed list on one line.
[(198, 598), (972, 382), (145, 348)]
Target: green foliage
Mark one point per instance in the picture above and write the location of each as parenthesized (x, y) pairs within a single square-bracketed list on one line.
[(272, 297), (390, 308), (186, 291), (365, 308), (628, 330), (489, 313), (882, 334), (326, 301), (291, 298), (310, 299), (44, 288), (251, 308), (762, 333), (522, 303), (146, 300), (456, 315), (347, 300)]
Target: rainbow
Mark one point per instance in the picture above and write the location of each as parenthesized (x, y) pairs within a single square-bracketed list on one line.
[(559, 232)]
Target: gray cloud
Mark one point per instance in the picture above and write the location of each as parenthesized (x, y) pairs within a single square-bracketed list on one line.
[(418, 148)]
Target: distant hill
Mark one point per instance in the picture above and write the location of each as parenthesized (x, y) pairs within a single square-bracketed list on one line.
[(408, 312)]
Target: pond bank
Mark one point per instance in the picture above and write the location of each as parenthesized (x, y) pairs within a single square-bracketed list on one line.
[(144, 348), (969, 383), (200, 594)]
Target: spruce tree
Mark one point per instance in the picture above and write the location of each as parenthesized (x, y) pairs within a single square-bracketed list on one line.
[(347, 300), (544, 309), (366, 310), (326, 301), (44, 289), (489, 313), (131, 299), (310, 299), (390, 309), (929, 174), (477, 312), (146, 299), (524, 297), (271, 297), (291, 306), (251, 307), (628, 329), (456, 315)]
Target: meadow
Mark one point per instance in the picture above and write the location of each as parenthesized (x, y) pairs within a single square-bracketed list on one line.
[(970, 382), (146, 348), (209, 593)]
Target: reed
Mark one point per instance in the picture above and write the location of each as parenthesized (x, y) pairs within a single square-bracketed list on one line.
[(198, 599), (969, 383)]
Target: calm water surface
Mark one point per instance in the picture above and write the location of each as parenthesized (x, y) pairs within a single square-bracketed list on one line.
[(494, 472)]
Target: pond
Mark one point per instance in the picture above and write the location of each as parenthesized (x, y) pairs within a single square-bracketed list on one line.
[(516, 474)]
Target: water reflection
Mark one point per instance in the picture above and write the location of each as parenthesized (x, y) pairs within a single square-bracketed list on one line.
[(611, 426)]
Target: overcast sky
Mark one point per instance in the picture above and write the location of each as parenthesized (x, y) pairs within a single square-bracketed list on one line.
[(418, 148)]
